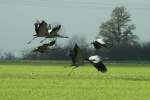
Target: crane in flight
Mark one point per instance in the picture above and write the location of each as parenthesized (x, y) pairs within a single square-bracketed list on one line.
[(41, 29)]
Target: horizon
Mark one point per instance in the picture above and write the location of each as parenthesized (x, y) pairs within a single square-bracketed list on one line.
[(77, 17)]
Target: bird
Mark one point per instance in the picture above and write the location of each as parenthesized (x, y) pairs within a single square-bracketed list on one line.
[(53, 33), (42, 49), (97, 62), (100, 43), (45, 47), (76, 57), (41, 29)]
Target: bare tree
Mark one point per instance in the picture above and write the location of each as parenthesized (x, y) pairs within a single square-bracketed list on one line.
[(118, 27)]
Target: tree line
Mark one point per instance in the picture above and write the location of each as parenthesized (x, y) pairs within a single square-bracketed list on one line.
[(119, 29)]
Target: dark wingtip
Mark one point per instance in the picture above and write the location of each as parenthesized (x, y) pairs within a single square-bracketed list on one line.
[(103, 70), (35, 50), (66, 37)]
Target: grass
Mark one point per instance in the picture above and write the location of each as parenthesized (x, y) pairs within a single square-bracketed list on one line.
[(39, 81)]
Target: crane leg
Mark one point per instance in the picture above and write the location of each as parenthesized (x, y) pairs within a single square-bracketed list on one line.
[(31, 40), (63, 36), (69, 74), (43, 40)]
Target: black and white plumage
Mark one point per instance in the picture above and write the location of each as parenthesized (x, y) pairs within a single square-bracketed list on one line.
[(53, 33), (76, 56), (100, 43), (96, 61)]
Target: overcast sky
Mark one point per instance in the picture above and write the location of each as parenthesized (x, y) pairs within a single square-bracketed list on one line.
[(82, 17)]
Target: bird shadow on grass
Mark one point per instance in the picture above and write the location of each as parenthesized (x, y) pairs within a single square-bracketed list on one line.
[(130, 78)]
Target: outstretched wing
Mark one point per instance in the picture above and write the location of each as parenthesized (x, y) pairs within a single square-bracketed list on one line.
[(109, 43), (42, 49), (96, 61), (50, 43), (100, 43), (55, 29), (97, 45), (43, 29), (100, 67)]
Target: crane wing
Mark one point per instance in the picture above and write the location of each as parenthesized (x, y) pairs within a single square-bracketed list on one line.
[(100, 67), (43, 28), (55, 29)]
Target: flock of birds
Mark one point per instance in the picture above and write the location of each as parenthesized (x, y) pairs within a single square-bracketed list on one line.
[(45, 30)]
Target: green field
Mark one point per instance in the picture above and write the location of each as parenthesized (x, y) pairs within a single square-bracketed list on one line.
[(46, 81)]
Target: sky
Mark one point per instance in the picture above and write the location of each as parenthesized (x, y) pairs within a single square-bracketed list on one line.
[(78, 17)]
